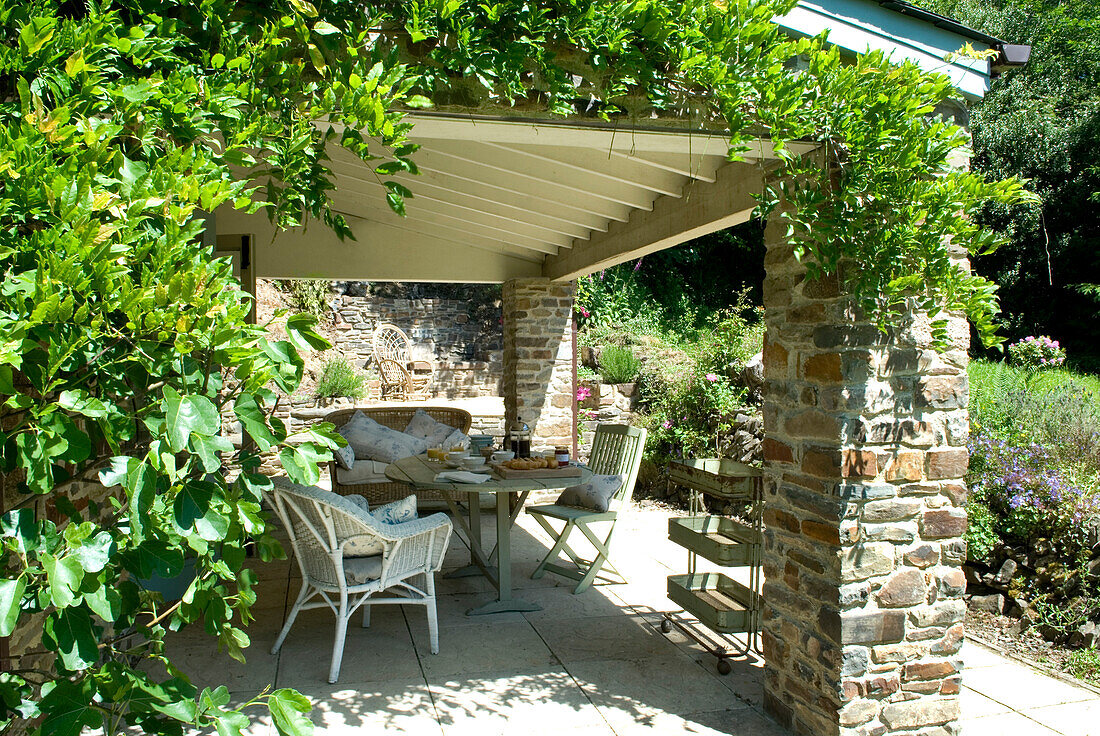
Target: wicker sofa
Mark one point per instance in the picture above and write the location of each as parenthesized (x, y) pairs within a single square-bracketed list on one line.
[(383, 490)]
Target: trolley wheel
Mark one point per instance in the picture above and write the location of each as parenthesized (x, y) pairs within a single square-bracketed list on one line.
[(666, 626), (724, 667)]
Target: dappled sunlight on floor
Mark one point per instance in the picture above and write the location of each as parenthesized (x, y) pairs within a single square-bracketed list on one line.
[(588, 664), (594, 663)]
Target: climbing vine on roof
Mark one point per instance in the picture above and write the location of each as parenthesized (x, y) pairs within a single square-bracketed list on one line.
[(122, 338)]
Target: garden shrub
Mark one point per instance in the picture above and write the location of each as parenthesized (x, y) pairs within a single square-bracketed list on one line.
[(1028, 497), (1037, 353), (339, 379), (309, 296), (619, 365)]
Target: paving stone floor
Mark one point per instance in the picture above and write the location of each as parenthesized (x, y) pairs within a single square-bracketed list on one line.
[(587, 665)]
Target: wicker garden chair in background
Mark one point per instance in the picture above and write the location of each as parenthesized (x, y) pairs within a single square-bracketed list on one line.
[(391, 343), (323, 527), (616, 450)]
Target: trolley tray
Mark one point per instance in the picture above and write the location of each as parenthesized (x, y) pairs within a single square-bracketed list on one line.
[(719, 539), (723, 477), (722, 604), (570, 471)]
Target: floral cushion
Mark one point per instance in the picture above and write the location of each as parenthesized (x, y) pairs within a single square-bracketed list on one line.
[(392, 513), (457, 438), (596, 494), (373, 441), (344, 456), (433, 432)]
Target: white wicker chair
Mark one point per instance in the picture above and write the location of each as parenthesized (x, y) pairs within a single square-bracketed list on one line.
[(321, 524)]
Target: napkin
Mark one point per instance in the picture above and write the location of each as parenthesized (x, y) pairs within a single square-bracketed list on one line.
[(461, 476)]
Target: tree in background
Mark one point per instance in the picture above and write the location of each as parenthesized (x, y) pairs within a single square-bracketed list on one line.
[(1042, 122)]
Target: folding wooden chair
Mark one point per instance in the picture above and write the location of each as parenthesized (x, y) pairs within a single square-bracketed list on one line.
[(616, 450)]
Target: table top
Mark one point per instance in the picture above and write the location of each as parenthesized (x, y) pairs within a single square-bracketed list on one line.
[(420, 472)]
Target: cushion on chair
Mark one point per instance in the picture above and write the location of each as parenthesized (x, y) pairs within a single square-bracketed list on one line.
[(373, 441), (431, 431), (344, 456), (396, 512), (457, 438), (362, 471), (391, 513), (359, 570), (596, 494)]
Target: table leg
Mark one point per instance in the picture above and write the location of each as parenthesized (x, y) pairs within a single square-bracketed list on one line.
[(480, 563), (505, 601)]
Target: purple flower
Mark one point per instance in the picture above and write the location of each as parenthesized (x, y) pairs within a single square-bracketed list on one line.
[(637, 265), (666, 424)]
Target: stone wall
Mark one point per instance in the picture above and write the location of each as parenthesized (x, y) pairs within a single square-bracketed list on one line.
[(466, 353), (865, 452), (538, 359)]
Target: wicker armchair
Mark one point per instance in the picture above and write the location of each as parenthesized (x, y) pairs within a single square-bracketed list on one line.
[(322, 525), (402, 377), (394, 418)]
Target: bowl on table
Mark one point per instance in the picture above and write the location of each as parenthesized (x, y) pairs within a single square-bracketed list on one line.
[(473, 463), (455, 458)]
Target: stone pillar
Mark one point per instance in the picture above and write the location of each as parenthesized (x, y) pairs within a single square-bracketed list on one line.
[(865, 451), (538, 359)]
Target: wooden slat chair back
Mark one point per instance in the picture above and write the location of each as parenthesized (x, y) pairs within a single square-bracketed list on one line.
[(322, 525), (394, 417), (616, 450)]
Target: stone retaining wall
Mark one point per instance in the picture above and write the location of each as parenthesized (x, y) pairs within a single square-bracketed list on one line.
[(466, 353)]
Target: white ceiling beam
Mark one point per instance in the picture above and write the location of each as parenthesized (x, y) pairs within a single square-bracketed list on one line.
[(704, 209), (589, 165), (455, 201), (473, 158), (442, 233), (555, 133), (420, 216), (703, 169), (450, 185), (380, 252)]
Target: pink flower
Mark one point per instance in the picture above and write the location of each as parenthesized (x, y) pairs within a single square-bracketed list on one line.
[(637, 265), (666, 425), (583, 311), (711, 377), (584, 393)]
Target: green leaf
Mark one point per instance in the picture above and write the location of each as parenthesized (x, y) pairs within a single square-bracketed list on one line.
[(207, 448), (70, 631), (105, 602), (288, 709), (35, 34), (83, 404), (419, 102), (64, 576), (195, 508), (95, 553), (187, 414), (324, 28), (254, 419), (300, 333), (69, 708), (11, 596)]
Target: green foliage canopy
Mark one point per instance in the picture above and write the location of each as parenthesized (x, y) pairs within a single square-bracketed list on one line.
[(1042, 121), (121, 339)]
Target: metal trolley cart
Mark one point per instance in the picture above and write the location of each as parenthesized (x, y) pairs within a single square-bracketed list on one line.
[(716, 601)]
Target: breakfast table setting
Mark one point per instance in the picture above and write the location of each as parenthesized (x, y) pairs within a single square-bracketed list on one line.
[(463, 475)]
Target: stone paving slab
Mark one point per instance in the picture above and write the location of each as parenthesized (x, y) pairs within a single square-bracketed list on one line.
[(588, 665)]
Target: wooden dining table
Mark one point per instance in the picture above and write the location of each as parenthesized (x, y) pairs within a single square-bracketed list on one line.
[(420, 472)]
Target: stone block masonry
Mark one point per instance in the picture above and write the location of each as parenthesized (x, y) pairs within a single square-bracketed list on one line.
[(467, 354), (865, 455), (538, 359)]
